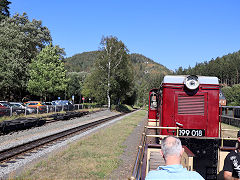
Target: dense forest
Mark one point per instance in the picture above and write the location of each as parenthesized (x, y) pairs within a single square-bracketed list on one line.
[(82, 62), (226, 68)]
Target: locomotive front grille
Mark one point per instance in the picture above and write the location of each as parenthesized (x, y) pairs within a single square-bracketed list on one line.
[(193, 105)]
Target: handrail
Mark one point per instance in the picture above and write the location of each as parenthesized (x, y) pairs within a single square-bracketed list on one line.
[(158, 127), (138, 161), (230, 130)]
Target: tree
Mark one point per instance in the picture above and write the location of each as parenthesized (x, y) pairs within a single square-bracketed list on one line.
[(36, 35), (20, 41), (12, 63), (47, 73), (226, 68), (232, 94), (93, 87), (75, 83), (112, 76), (4, 6)]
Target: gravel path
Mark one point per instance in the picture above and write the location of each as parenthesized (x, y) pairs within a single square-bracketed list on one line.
[(128, 157)]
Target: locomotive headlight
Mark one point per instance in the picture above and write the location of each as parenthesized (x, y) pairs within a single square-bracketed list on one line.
[(191, 82)]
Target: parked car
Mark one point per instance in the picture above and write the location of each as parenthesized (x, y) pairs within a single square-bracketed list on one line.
[(5, 103), (4, 111), (20, 105), (50, 107), (13, 110), (37, 105), (63, 105)]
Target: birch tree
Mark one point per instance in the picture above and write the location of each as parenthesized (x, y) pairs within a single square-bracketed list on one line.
[(113, 73)]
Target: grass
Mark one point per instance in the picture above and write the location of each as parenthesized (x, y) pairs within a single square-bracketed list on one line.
[(93, 157)]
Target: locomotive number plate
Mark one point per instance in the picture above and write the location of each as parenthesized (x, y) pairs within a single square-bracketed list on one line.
[(191, 132)]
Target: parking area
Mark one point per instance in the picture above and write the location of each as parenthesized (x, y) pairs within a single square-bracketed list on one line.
[(38, 107)]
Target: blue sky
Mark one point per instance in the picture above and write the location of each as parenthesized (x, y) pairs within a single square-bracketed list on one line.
[(173, 33)]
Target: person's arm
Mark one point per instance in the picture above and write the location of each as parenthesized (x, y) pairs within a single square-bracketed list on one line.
[(228, 175), (227, 168)]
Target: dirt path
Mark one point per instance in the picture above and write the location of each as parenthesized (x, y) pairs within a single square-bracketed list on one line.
[(128, 157)]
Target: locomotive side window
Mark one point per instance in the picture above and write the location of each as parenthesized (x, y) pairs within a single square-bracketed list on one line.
[(153, 101)]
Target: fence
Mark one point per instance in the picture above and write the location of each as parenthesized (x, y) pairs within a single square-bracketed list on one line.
[(10, 111), (229, 115), (231, 121)]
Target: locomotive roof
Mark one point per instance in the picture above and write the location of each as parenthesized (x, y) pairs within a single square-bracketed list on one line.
[(179, 79)]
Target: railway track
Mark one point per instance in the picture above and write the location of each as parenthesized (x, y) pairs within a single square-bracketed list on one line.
[(13, 152)]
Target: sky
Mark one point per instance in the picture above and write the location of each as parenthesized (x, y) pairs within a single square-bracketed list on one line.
[(173, 33)]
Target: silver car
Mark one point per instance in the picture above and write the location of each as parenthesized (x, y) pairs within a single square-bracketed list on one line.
[(20, 105)]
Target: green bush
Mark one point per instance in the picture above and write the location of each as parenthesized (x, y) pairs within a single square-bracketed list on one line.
[(121, 108)]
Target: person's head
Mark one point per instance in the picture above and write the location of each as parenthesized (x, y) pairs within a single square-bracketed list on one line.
[(171, 146)]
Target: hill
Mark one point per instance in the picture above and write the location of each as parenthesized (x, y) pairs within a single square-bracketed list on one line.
[(83, 62), (145, 67)]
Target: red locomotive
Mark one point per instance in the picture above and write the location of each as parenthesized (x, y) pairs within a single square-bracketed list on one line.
[(191, 103), (188, 107)]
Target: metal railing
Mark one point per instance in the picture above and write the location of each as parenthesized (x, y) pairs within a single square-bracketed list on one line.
[(136, 173), (10, 111)]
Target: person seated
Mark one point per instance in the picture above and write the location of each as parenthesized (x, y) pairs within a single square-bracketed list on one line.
[(171, 150), (231, 166)]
